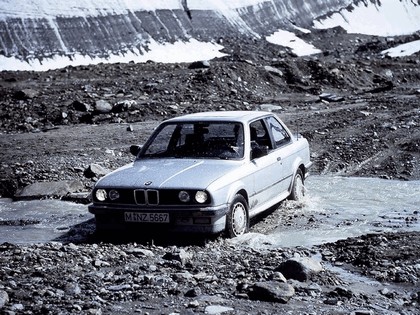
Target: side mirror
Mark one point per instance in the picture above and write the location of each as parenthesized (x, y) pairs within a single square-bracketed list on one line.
[(135, 149), (259, 151)]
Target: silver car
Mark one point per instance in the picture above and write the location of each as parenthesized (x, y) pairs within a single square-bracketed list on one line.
[(205, 172)]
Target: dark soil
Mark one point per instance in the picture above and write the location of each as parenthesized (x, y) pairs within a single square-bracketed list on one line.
[(358, 109)]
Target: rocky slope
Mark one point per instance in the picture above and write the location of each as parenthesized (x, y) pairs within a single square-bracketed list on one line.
[(359, 110), (99, 28)]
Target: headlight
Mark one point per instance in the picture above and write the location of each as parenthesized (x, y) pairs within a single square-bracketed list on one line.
[(201, 196), (184, 196), (113, 195), (101, 194)]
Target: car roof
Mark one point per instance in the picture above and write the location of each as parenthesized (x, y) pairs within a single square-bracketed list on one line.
[(239, 116)]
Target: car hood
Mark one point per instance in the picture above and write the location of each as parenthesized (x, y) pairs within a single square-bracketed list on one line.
[(168, 173)]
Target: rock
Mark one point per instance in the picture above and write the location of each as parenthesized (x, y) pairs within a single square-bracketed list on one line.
[(329, 97), (269, 107), (123, 106), (25, 94), (72, 289), (194, 292), (299, 268), (103, 107), (8, 187), (278, 276), (341, 293), (181, 255), (17, 307), (199, 65), (140, 252), (4, 298), (119, 287), (49, 189), (83, 197), (273, 70), (80, 106), (362, 312), (95, 170), (271, 291), (217, 309)]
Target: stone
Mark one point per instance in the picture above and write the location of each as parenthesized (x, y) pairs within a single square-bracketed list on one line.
[(25, 94), (194, 292), (48, 189), (217, 309), (269, 107), (182, 256), (119, 287), (103, 107), (72, 289), (329, 97), (95, 170), (273, 70), (81, 107), (123, 106), (199, 64), (140, 252), (299, 268), (271, 291), (4, 298)]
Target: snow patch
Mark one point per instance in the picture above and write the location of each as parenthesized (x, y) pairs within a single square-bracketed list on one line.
[(402, 50), (289, 39), (384, 18), (190, 51)]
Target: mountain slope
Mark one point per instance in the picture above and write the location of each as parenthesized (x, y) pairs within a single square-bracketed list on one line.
[(44, 28)]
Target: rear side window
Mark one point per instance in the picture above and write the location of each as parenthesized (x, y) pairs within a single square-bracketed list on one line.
[(280, 135)]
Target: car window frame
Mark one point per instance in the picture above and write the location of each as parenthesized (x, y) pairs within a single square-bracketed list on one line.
[(174, 138), (285, 141)]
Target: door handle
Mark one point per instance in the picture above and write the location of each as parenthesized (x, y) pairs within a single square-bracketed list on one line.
[(279, 158)]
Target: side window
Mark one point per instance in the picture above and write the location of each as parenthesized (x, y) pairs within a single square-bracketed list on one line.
[(280, 135), (259, 134)]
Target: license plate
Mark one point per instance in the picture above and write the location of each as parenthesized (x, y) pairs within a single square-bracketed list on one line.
[(146, 217)]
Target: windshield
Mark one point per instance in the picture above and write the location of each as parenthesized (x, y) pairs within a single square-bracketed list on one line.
[(223, 140)]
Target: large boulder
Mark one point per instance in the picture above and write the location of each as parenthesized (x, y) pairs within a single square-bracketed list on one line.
[(95, 170), (271, 291), (49, 189), (103, 107), (299, 268)]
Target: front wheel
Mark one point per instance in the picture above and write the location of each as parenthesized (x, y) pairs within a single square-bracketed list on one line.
[(298, 188), (237, 220)]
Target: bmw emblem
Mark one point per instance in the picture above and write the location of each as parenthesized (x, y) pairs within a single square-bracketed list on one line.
[(148, 183)]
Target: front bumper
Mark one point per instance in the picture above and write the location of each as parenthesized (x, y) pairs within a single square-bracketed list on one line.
[(208, 220)]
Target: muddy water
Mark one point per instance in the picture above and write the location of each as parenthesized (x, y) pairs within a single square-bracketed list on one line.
[(340, 207), (39, 221), (334, 208)]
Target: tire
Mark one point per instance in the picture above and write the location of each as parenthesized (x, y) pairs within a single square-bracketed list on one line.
[(237, 220), (298, 187)]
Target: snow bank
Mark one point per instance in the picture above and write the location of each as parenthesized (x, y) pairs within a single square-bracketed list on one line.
[(167, 53), (289, 39), (406, 49), (384, 18)]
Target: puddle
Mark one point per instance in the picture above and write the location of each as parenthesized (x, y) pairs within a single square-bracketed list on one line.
[(340, 207), (345, 207), (38, 221)]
